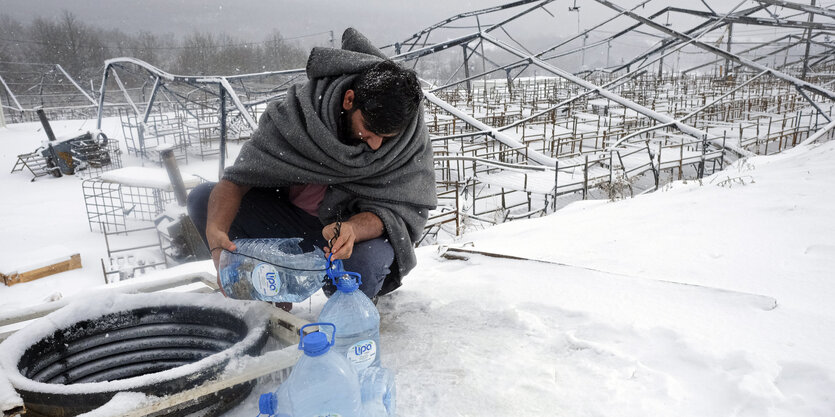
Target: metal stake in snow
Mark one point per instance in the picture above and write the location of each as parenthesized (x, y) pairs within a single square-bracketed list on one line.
[(174, 175), (182, 232), (2, 116)]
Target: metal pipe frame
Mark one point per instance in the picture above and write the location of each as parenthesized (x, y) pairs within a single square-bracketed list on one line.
[(672, 41), (11, 95), (418, 46), (533, 59), (72, 81), (748, 20), (759, 58), (603, 92), (665, 121), (417, 36), (801, 7), (713, 49), (196, 81)]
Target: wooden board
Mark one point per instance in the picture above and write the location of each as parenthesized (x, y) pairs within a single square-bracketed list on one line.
[(74, 262)]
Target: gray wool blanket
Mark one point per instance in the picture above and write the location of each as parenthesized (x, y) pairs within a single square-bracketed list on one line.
[(296, 143)]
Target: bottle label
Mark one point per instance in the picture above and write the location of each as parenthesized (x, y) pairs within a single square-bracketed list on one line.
[(362, 354), (265, 280)]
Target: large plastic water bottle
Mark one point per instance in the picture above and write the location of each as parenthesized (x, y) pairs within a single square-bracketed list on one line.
[(323, 383), (356, 318), (378, 392), (274, 270)]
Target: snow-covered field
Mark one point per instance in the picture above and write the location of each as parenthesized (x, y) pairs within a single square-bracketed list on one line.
[(660, 305)]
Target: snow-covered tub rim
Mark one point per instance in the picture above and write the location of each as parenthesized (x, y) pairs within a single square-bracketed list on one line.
[(254, 314)]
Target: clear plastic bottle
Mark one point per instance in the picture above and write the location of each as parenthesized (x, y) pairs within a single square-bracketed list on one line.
[(274, 270), (378, 392), (356, 318), (323, 383)]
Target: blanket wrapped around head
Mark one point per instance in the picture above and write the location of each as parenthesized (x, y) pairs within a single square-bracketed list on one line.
[(296, 143)]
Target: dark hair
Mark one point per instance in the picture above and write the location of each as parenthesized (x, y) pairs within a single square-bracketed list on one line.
[(388, 96)]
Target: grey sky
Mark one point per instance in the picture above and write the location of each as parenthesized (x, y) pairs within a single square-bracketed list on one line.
[(383, 21)]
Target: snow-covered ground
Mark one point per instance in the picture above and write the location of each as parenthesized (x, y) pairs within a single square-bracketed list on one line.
[(660, 305)]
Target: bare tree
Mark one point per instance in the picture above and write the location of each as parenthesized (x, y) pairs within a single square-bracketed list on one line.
[(76, 46)]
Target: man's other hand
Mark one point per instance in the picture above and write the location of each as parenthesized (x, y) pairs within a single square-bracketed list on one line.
[(218, 241)]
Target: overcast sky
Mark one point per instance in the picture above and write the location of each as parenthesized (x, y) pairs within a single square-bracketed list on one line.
[(384, 21)]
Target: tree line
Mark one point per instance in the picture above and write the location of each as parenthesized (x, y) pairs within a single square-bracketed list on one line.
[(81, 49)]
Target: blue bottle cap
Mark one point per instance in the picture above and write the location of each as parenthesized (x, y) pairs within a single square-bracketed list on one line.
[(315, 344), (347, 283), (267, 403), (341, 278)]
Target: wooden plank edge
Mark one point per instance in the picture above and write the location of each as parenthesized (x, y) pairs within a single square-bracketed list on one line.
[(74, 262), (265, 364)]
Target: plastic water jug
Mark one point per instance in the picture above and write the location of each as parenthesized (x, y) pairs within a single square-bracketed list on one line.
[(378, 392), (323, 383), (274, 270), (356, 318)]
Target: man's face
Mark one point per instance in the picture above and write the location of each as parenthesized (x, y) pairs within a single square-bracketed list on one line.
[(361, 132)]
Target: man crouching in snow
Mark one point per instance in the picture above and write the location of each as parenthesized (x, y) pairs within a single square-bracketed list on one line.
[(349, 146)]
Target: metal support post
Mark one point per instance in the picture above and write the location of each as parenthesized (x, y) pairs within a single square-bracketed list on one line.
[(808, 45), (222, 161), (150, 105), (174, 176), (2, 115), (101, 95), (467, 72), (509, 82), (728, 48)]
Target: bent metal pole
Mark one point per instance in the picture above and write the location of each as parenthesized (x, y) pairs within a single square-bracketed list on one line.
[(492, 131), (660, 117)]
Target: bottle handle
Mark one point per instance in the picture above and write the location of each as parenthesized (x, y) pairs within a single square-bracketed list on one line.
[(333, 333), (336, 270)]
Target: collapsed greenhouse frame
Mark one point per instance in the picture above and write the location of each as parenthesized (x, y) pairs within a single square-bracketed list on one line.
[(535, 166)]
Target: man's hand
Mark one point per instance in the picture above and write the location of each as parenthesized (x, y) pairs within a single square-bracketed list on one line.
[(360, 227), (343, 246)]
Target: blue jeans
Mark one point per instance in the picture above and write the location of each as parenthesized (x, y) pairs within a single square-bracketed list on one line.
[(268, 213)]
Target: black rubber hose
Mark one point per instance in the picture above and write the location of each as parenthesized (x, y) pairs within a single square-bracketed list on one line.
[(134, 343), (49, 362), (71, 371), (131, 325), (133, 370), (158, 342)]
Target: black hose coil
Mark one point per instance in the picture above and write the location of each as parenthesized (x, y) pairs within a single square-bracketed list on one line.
[(135, 343)]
